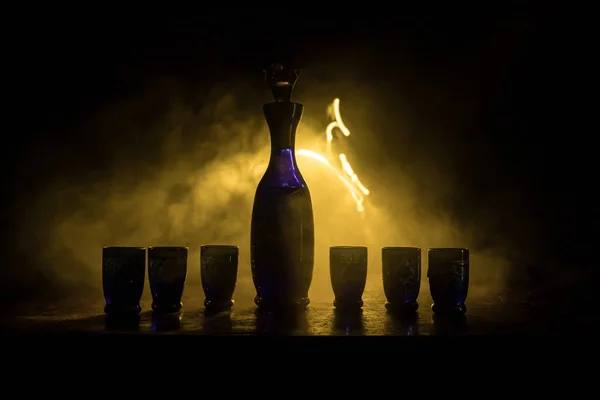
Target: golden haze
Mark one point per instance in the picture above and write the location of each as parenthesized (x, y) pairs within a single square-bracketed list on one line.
[(194, 192)]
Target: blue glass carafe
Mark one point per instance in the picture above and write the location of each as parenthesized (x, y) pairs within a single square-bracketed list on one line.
[(282, 229)]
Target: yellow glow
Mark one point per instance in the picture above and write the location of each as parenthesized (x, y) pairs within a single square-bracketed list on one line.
[(353, 177), (320, 158), (337, 121), (345, 173)]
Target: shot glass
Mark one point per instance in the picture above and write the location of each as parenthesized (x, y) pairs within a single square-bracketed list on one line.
[(401, 268), (348, 271), (167, 271), (123, 275), (448, 275), (218, 272)]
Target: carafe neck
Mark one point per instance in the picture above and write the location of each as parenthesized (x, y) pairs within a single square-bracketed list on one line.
[(283, 119)]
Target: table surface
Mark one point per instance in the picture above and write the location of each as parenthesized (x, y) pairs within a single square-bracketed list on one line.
[(488, 313)]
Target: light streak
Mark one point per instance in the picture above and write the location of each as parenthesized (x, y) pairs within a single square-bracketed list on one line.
[(344, 172)]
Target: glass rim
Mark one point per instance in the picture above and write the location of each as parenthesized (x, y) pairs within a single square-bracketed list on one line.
[(347, 247), (220, 246), (168, 248), (448, 249), (400, 248), (124, 247)]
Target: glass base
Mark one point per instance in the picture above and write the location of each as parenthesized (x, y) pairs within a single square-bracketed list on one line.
[(218, 305), (167, 308), (409, 307), (347, 305), (265, 303), (118, 310), (452, 309)]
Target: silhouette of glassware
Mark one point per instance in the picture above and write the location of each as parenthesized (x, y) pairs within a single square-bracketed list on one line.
[(218, 272), (448, 275), (167, 272), (348, 271), (401, 270), (123, 275), (282, 227)]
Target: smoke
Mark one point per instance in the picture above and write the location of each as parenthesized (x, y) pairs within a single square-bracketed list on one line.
[(181, 171)]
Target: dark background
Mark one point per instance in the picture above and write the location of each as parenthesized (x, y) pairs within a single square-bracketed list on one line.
[(501, 81)]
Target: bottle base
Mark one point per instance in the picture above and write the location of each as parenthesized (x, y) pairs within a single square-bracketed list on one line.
[(451, 309), (409, 307), (265, 303)]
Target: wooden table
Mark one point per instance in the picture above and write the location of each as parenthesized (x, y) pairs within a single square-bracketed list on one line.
[(488, 313), (493, 321)]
